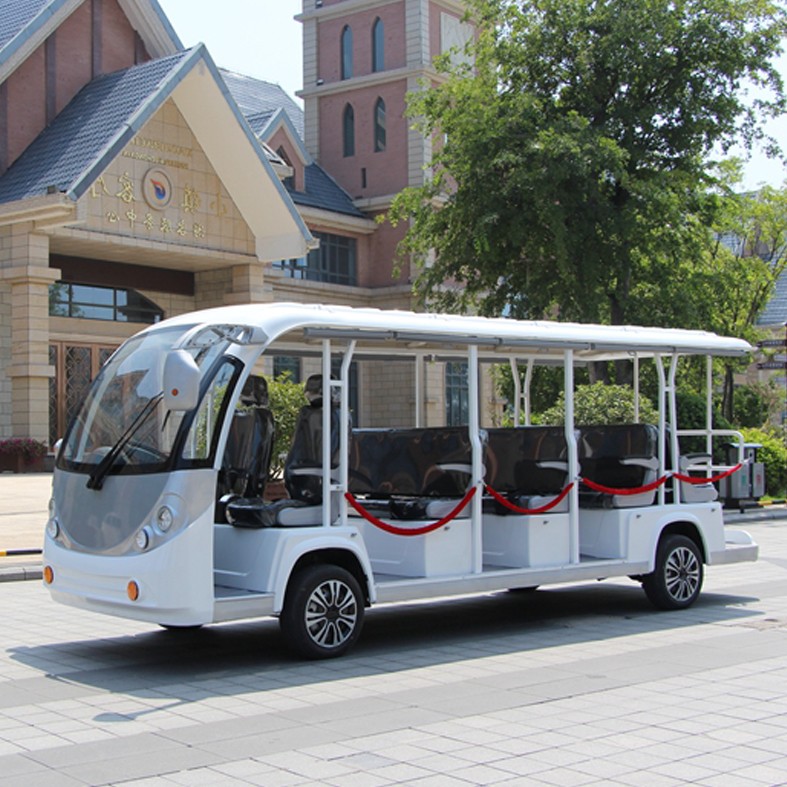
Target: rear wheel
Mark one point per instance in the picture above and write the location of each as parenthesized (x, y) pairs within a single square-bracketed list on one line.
[(323, 612), (677, 579)]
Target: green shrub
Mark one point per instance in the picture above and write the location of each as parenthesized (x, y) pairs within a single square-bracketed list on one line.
[(286, 399), (601, 404), (773, 455)]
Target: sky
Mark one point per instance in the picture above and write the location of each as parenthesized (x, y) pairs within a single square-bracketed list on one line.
[(261, 39)]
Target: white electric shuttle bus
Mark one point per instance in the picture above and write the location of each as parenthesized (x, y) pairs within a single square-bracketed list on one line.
[(161, 511)]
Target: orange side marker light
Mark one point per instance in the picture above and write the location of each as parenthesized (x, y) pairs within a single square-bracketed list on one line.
[(132, 590)]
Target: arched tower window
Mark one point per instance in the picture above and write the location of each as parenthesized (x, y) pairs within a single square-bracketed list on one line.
[(379, 125), (348, 130), (347, 52), (378, 45)]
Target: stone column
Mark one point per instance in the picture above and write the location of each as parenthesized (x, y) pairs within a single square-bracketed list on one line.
[(26, 274), (249, 285)]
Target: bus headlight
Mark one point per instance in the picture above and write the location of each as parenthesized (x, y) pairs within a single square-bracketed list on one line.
[(142, 539), (52, 528), (164, 518)]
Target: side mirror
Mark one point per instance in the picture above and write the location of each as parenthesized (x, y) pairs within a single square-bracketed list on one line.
[(181, 381)]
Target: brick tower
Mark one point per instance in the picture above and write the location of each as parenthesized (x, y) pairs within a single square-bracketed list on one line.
[(360, 59)]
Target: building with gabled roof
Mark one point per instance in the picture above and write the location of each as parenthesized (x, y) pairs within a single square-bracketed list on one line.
[(138, 180)]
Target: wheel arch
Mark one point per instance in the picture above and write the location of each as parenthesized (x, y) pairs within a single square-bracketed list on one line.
[(337, 554), (688, 528)]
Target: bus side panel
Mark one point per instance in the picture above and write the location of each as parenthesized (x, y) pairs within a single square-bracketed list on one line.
[(645, 526)]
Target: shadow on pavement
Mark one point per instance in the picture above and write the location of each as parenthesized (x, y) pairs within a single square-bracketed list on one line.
[(251, 656)]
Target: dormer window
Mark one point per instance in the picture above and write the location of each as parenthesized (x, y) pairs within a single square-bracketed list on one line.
[(378, 45), (347, 52), (289, 181)]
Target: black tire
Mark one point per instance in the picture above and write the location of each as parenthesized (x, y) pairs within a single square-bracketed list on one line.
[(528, 589), (181, 629), (323, 612), (677, 580)]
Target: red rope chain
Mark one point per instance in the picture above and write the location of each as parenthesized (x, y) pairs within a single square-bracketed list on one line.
[(529, 511), (406, 531), (609, 490)]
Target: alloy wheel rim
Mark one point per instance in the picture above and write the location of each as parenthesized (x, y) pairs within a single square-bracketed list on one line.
[(682, 574), (331, 614)]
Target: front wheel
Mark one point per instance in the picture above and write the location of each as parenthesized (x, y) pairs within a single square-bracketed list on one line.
[(677, 579), (323, 612)]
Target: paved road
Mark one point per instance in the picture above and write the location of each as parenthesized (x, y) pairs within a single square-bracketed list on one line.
[(569, 686)]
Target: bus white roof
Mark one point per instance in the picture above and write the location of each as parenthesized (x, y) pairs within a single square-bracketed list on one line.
[(381, 330)]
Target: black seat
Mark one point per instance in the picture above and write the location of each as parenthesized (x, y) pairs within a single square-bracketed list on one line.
[(247, 455), (619, 456), (412, 473), (302, 471), (528, 466)]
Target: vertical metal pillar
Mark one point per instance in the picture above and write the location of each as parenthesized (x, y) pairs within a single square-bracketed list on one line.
[(344, 435), (474, 427), (528, 381), (512, 362), (573, 459), (326, 432), (709, 404), (419, 390)]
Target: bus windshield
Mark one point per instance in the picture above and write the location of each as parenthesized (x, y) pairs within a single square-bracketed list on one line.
[(123, 413)]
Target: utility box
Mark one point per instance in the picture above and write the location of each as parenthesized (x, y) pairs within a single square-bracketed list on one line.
[(747, 485)]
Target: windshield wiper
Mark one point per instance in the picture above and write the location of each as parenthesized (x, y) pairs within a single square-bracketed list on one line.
[(97, 476)]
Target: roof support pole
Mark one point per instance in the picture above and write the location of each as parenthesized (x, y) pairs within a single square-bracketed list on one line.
[(673, 421), (344, 434), (573, 459), (635, 362), (326, 432), (419, 390), (474, 426), (709, 404), (512, 362), (528, 381)]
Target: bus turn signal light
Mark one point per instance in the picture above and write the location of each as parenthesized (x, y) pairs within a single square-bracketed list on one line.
[(49, 575), (132, 590)]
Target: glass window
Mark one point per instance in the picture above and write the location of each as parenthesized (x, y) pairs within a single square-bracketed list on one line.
[(456, 394), (85, 301), (348, 131), (334, 261), (379, 125), (347, 52), (287, 364), (202, 436), (378, 45)]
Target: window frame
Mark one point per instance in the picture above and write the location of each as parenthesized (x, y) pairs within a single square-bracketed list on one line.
[(378, 46), (379, 126), (346, 53)]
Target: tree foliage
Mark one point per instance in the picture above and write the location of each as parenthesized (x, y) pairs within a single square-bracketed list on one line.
[(572, 164), (602, 404)]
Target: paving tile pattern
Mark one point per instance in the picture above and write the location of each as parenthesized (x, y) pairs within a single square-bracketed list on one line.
[(575, 685)]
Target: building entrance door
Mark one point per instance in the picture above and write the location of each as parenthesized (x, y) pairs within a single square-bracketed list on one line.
[(75, 367)]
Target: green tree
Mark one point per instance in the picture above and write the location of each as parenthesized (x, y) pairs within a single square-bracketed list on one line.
[(572, 166), (741, 265)]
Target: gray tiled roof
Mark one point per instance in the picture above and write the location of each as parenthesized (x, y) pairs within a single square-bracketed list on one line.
[(254, 96), (79, 135), (322, 191), (259, 101), (775, 313), (15, 16)]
